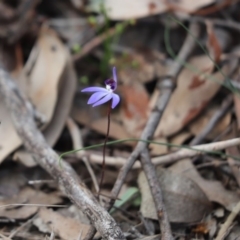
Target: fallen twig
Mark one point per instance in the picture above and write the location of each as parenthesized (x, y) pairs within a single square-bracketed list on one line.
[(88, 47), (196, 150), (218, 22), (22, 117), (156, 191), (172, 157), (166, 86), (77, 144), (213, 121), (224, 228)]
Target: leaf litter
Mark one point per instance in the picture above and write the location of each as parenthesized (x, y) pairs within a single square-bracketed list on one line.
[(41, 47)]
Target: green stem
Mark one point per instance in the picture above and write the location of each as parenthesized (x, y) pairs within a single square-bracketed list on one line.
[(146, 141)]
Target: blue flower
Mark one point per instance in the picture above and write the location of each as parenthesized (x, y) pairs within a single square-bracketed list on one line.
[(102, 95)]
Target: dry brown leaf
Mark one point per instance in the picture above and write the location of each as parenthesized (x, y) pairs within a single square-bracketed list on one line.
[(157, 149), (134, 107), (199, 124), (184, 200), (40, 80), (123, 9), (179, 139), (62, 109), (213, 44), (66, 228), (191, 96), (141, 65), (11, 181), (189, 5), (236, 99), (234, 233), (82, 116), (213, 189), (27, 196)]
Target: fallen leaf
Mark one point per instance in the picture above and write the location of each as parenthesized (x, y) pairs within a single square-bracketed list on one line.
[(188, 5), (236, 99), (62, 109), (117, 10), (201, 122), (157, 149), (11, 181), (46, 77), (99, 124), (26, 196), (141, 64), (134, 107), (155, 237), (127, 197), (234, 233), (42, 80), (66, 228), (213, 44), (123, 9), (184, 200), (214, 190), (193, 93), (179, 139)]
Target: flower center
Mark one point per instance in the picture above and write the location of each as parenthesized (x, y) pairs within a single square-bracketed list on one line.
[(108, 87), (111, 85)]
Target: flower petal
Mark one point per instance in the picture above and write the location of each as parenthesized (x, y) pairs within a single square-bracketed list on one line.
[(114, 70), (94, 89), (96, 97), (115, 100), (104, 99)]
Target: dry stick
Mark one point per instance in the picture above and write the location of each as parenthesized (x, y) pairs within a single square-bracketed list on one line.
[(166, 87), (156, 191), (214, 120), (215, 21), (88, 47), (21, 227), (77, 144), (170, 158), (52, 236), (195, 151), (31, 205), (224, 228), (22, 118)]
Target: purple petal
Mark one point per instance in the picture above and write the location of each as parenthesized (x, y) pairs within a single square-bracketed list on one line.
[(94, 89), (115, 100), (114, 70), (104, 100), (96, 97)]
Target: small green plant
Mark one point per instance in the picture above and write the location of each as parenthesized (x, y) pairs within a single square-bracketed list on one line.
[(84, 80)]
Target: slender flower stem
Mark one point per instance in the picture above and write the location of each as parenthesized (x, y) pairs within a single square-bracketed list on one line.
[(104, 148)]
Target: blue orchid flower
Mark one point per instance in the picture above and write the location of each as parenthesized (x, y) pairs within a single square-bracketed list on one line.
[(102, 95)]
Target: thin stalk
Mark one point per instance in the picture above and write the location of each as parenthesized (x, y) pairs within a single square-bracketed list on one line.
[(104, 148)]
